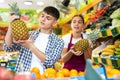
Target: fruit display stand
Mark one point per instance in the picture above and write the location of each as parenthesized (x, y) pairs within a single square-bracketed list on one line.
[(2, 35), (68, 17), (101, 70), (107, 54), (8, 60), (98, 71)]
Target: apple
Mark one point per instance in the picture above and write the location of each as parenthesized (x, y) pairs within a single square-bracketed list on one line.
[(5, 74), (23, 77)]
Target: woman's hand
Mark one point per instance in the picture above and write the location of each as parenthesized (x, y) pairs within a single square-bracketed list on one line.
[(77, 53)]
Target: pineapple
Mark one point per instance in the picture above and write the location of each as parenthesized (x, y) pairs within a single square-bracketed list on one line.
[(19, 28), (81, 45)]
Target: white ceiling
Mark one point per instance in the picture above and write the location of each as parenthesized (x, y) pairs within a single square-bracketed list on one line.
[(21, 4)]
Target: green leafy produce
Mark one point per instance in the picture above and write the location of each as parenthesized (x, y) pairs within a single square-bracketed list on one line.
[(116, 14), (116, 22)]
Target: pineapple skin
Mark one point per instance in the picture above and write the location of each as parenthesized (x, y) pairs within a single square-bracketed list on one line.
[(19, 30), (81, 45)]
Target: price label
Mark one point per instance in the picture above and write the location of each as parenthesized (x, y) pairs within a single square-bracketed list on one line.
[(115, 63), (115, 32), (104, 61), (3, 64), (104, 33), (95, 60)]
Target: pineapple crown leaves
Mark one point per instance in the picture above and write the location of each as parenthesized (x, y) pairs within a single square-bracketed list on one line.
[(14, 8)]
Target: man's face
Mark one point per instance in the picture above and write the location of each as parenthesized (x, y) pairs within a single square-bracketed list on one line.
[(47, 21)]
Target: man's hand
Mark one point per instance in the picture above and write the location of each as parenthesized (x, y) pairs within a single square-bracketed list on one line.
[(13, 17), (26, 43)]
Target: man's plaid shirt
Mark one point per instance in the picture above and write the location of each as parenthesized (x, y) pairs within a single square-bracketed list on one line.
[(53, 51)]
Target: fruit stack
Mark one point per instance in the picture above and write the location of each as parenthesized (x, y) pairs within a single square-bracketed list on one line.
[(117, 48), (109, 50)]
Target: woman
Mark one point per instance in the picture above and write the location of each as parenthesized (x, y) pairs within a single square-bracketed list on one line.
[(72, 59)]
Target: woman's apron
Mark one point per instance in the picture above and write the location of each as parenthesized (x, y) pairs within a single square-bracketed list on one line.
[(76, 62)]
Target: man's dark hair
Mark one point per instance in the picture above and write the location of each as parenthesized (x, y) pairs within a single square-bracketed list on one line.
[(52, 11)]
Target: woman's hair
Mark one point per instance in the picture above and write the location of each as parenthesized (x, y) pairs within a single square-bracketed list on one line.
[(80, 17), (52, 11)]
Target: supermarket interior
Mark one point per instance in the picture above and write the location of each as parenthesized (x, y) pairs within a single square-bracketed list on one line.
[(59, 40)]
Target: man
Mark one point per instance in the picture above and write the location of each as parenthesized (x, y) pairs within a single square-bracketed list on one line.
[(42, 49)]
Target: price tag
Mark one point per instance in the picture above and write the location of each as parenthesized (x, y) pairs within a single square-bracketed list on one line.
[(115, 63), (115, 32), (95, 60), (104, 61), (3, 64), (104, 33)]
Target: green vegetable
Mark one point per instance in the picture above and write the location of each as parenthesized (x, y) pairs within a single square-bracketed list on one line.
[(115, 22), (115, 14)]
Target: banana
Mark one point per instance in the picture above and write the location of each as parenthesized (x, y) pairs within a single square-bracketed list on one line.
[(117, 52), (87, 17), (117, 42), (118, 55), (117, 49), (111, 46), (117, 45), (107, 53), (108, 50)]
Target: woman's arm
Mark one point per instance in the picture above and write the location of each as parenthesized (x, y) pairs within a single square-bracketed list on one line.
[(88, 52), (66, 55)]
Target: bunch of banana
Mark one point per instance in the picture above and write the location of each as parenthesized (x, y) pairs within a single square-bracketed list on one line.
[(109, 50), (117, 51), (87, 17), (117, 43)]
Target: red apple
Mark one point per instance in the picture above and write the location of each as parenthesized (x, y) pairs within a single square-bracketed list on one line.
[(5, 74), (23, 77)]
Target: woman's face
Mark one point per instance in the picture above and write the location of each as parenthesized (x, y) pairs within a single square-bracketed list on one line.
[(77, 24), (47, 21)]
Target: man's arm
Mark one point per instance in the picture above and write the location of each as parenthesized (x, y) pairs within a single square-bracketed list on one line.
[(8, 37), (38, 53)]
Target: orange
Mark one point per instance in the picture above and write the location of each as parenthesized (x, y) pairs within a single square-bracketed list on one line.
[(73, 72), (51, 70), (59, 75), (110, 75), (43, 76), (50, 73), (96, 66), (115, 71), (38, 76), (81, 73), (51, 76), (65, 72), (35, 70)]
